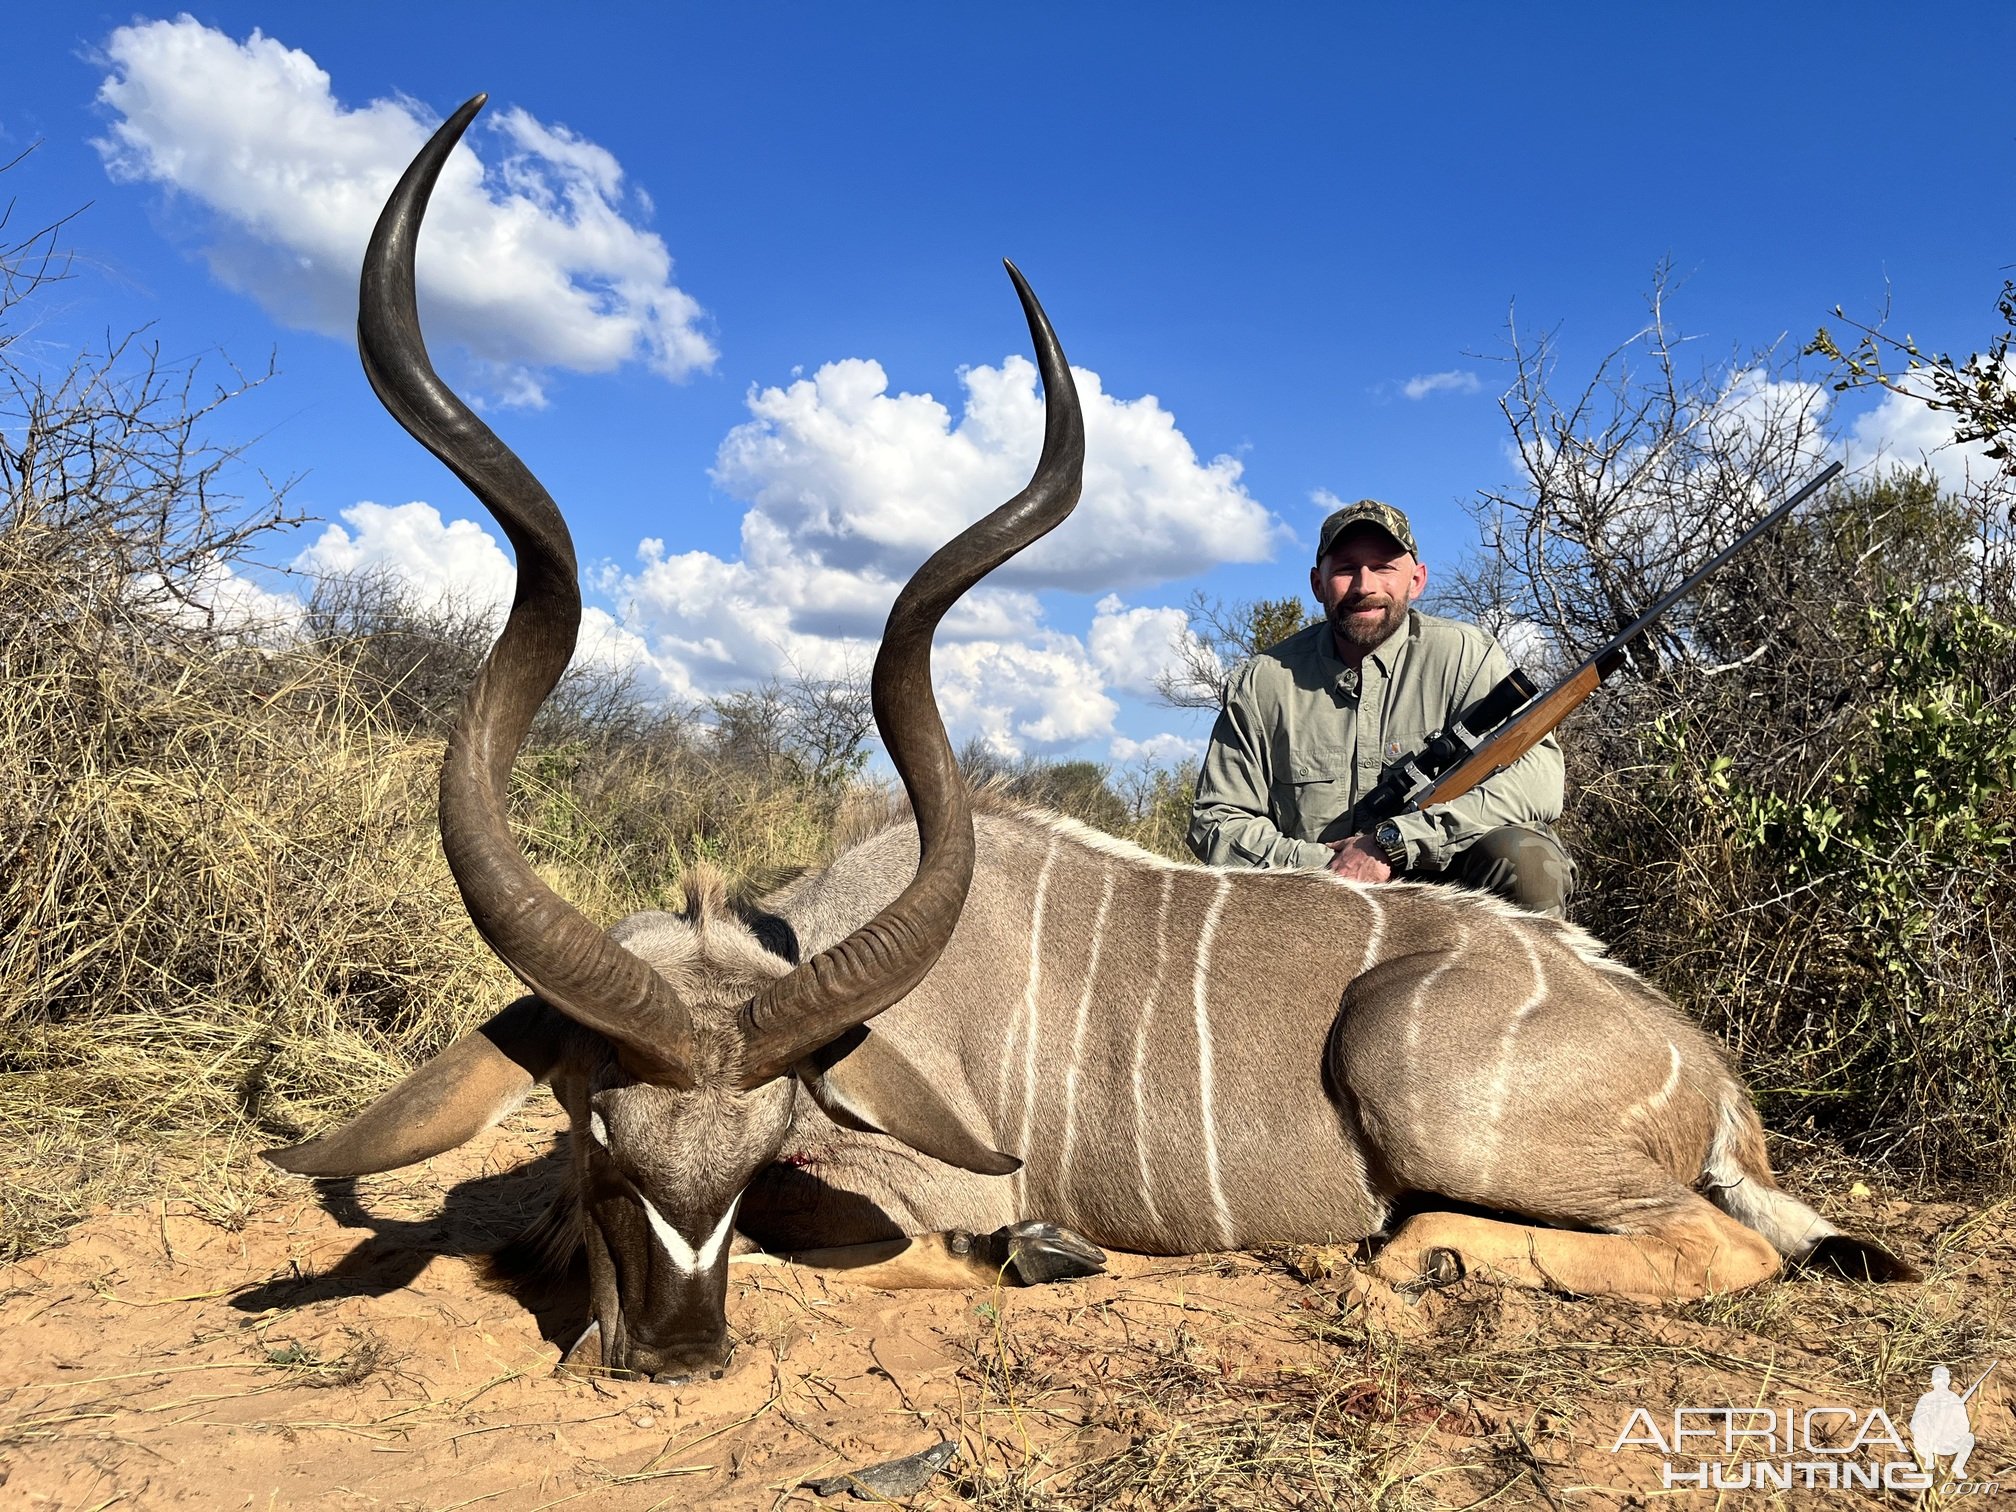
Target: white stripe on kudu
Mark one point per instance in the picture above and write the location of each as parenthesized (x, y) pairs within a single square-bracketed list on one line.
[(1375, 934), (1029, 1017), (1078, 1032), (1200, 988), (1416, 1091), (1508, 1063), (1141, 1048), (1666, 1090), (687, 1260)]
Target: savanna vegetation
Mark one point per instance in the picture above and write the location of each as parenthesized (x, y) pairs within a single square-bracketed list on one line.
[(224, 914), (225, 921), (1797, 812), (224, 917)]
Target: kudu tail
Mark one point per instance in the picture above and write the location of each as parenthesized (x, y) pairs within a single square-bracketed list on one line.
[(1737, 1178)]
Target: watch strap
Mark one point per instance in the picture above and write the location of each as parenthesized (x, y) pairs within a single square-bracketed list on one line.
[(1389, 839)]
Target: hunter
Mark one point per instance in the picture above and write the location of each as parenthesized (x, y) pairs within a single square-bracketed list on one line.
[(1309, 725)]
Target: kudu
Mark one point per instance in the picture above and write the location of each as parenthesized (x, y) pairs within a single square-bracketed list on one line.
[(1166, 1058)]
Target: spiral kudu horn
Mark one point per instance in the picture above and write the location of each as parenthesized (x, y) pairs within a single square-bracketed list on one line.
[(882, 960), (556, 951)]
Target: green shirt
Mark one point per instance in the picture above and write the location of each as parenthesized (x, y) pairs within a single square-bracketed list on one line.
[(1303, 738)]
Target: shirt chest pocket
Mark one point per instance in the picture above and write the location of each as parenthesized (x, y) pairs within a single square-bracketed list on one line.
[(1313, 787), (1403, 739)]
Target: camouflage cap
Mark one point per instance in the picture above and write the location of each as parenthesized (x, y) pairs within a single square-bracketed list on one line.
[(1366, 512)]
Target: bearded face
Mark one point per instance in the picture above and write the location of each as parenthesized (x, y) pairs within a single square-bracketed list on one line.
[(1366, 584), (1367, 619)]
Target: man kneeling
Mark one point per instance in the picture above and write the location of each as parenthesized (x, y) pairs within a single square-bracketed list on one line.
[(1310, 724)]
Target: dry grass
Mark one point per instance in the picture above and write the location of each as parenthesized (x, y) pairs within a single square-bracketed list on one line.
[(1472, 1397), (224, 913)]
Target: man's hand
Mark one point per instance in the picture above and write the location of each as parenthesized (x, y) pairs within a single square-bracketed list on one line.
[(1359, 859)]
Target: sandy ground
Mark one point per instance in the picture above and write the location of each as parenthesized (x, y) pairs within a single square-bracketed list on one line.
[(279, 1346)]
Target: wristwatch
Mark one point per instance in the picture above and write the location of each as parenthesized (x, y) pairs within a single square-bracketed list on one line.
[(1389, 839)]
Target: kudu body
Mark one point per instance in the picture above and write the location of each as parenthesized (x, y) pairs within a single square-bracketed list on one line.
[(1165, 1058), (1188, 1059)]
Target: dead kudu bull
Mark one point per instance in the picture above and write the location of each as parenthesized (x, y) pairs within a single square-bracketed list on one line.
[(1178, 1059)]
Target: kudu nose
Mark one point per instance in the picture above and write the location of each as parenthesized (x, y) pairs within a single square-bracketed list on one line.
[(678, 1361)]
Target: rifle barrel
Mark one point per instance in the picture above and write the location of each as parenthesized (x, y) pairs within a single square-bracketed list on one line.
[(1532, 724), (1979, 1379), (1825, 477)]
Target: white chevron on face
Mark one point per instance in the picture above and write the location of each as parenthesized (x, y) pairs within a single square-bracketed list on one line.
[(687, 1259)]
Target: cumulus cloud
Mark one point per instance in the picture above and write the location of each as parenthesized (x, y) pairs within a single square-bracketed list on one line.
[(214, 593), (1018, 695), (528, 263), (1133, 647), (871, 481), (1456, 381), (1905, 432), (1526, 643), (849, 487), (439, 561), (690, 625), (1158, 750), (457, 562)]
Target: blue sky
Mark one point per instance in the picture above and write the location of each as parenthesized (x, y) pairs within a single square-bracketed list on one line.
[(1271, 226)]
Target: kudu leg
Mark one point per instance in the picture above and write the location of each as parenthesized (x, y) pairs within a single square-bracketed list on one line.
[(1020, 1254), (1697, 1250)]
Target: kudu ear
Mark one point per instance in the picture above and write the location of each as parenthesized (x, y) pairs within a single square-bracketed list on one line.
[(447, 1102), (862, 1082)]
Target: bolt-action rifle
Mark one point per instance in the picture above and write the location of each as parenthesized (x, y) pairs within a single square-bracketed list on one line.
[(1509, 721)]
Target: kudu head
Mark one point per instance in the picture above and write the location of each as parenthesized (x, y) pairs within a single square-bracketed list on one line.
[(676, 1041)]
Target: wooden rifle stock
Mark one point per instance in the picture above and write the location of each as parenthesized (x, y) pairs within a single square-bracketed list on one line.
[(1516, 737)]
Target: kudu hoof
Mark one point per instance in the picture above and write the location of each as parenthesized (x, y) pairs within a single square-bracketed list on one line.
[(1441, 1267), (1035, 1254), (1858, 1260)]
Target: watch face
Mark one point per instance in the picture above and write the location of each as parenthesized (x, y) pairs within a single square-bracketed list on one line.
[(1387, 838)]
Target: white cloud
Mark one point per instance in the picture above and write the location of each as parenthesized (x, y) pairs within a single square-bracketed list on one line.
[(458, 562), (1526, 643), (1905, 432), (870, 481), (1677, 470), (1456, 381), (713, 625), (1133, 647), (438, 561), (1159, 750), (217, 595), (690, 625), (849, 488), (1758, 415), (527, 262), (1042, 693)]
